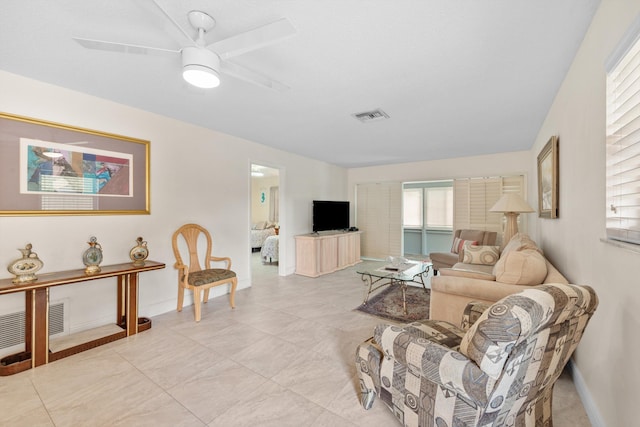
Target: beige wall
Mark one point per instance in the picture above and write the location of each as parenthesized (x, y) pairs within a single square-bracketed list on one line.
[(197, 175), (606, 358), (260, 211)]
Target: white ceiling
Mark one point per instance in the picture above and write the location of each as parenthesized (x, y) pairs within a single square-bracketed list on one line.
[(456, 77)]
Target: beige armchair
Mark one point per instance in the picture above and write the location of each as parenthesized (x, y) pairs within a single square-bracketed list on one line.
[(448, 259)]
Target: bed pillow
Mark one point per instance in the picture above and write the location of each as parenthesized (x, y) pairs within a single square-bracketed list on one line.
[(484, 255), (458, 243), (259, 225)]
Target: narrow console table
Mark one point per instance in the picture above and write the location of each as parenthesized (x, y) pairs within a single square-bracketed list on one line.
[(36, 333)]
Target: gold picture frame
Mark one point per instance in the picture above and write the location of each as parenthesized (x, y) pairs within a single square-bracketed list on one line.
[(56, 169), (548, 179)]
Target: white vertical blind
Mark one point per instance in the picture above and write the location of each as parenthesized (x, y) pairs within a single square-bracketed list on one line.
[(379, 216), (473, 197), (623, 144)]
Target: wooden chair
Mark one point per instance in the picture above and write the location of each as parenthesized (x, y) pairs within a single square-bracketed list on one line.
[(192, 276)]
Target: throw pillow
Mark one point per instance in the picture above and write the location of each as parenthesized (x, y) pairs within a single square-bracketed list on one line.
[(459, 243), (520, 241), (521, 267), (484, 255)]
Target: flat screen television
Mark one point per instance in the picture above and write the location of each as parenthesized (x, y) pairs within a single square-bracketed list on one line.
[(330, 215)]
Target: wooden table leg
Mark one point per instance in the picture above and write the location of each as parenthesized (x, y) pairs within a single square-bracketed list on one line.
[(132, 304), (121, 314), (37, 325)]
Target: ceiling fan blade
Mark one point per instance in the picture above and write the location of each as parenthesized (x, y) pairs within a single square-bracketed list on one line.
[(249, 76), (124, 47), (173, 21), (253, 39)]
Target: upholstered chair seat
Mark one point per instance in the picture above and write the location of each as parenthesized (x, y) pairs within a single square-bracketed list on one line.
[(204, 277)]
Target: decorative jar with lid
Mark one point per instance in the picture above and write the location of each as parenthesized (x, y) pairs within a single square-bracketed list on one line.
[(25, 268), (92, 257), (139, 253)]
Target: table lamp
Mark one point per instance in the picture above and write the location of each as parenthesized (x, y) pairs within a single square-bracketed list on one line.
[(512, 205)]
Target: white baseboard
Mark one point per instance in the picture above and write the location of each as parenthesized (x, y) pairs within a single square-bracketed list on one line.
[(587, 401), (170, 304)]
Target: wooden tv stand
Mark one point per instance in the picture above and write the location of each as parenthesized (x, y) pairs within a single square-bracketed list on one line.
[(326, 252), (36, 330)]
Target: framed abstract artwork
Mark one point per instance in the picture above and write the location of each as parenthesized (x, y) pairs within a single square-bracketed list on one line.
[(55, 169), (548, 180)]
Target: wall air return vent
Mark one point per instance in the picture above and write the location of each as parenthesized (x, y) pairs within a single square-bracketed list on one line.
[(12, 325), (371, 116)]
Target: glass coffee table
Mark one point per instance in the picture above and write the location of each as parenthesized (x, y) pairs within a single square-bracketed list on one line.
[(379, 274)]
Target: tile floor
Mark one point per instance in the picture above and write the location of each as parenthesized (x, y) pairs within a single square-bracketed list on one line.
[(283, 357)]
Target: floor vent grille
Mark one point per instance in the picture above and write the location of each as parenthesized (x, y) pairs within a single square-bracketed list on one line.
[(12, 325)]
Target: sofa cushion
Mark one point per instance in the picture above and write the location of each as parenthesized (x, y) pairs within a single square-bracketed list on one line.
[(521, 267), (458, 244), (483, 255), (518, 242), (472, 272)]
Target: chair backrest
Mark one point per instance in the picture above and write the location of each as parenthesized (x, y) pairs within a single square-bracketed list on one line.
[(484, 238), (191, 234), (524, 341)]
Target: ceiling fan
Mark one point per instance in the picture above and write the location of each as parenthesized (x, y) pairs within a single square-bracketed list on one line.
[(202, 63)]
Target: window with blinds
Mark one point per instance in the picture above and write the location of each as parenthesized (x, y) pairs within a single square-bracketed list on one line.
[(473, 197), (623, 139), (428, 204)]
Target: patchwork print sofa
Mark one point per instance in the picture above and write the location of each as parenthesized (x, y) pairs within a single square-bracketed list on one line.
[(499, 372)]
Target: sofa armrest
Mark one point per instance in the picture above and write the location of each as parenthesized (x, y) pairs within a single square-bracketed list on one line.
[(475, 289), (469, 274), (368, 358), (472, 313), (443, 259), (436, 363)]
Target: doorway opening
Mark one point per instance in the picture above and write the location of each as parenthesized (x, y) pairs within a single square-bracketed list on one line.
[(265, 222)]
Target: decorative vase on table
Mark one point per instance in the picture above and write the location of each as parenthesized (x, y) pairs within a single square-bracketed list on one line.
[(25, 268), (139, 253), (92, 257)]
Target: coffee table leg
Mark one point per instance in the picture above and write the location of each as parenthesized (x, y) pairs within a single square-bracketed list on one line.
[(369, 279), (403, 285)]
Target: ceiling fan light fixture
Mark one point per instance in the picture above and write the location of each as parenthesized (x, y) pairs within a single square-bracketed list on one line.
[(199, 76), (200, 67)]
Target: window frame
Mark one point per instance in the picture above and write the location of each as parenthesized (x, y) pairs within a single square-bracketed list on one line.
[(622, 217)]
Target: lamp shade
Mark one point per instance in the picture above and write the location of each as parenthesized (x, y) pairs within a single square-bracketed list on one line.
[(511, 202)]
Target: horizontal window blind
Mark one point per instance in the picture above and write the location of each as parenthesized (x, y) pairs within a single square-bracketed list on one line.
[(623, 145)]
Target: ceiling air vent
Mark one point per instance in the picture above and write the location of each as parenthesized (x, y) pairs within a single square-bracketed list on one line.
[(371, 116)]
